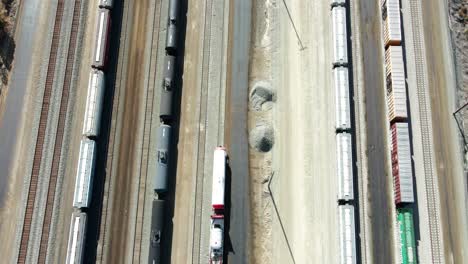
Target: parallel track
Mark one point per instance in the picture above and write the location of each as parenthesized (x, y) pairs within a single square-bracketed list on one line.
[(430, 185), (32, 192)]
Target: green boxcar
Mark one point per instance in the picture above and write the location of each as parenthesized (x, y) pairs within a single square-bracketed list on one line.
[(403, 243), (408, 243)]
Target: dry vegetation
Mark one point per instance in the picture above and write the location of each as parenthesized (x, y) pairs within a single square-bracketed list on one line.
[(7, 44)]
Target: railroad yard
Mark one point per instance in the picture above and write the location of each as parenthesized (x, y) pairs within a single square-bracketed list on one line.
[(242, 131)]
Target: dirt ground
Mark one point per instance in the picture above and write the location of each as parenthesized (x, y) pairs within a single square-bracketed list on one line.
[(10, 213), (448, 153), (303, 156)]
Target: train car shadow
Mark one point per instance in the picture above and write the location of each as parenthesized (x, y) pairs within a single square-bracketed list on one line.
[(167, 236), (228, 246), (100, 174)]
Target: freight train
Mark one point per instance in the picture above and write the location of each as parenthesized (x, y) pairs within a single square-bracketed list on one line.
[(90, 132), (397, 104), (161, 176), (344, 136)]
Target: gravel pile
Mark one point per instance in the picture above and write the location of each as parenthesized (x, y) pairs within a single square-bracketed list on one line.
[(262, 137), (262, 96)]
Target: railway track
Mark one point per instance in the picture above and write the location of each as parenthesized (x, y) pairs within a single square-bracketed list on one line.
[(56, 159), (421, 78), (197, 234)]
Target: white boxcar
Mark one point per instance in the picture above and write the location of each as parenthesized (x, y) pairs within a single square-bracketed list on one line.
[(402, 168), (347, 234), (396, 83), (392, 24), (344, 157), (342, 100), (106, 3), (338, 3), (340, 36), (102, 39), (76, 238), (85, 174), (219, 178), (93, 110)]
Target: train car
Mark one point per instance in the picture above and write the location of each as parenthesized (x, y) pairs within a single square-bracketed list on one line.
[(94, 100), (85, 174), (217, 239), (342, 100), (405, 239), (172, 25), (76, 238), (101, 44), (392, 22), (396, 84), (165, 108), (401, 163), (106, 4), (347, 234), (157, 232), (219, 180), (337, 3), (402, 169), (344, 157), (161, 179), (340, 37)]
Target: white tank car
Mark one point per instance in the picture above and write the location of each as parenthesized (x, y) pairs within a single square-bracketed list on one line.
[(106, 4), (219, 178)]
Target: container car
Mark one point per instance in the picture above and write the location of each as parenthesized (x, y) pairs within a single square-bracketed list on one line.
[(338, 3), (406, 239), (396, 84), (219, 179), (217, 239), (76, 238), (342, 100), (106, 4), (401, 164), (85, 174), (340, 37), (102, 39), (347, 234), (161, 179), (172, 27), (344, 156), (94, 100), (157, 232), (165, 108), (392, 23)]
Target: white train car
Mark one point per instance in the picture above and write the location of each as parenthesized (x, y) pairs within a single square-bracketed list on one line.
[(344, 156), (392, 22), (85, 174), (340, 36), (396, 84), (102, 39), (94, 100), (219, 179), (106, 4), (76, 238), (347, 234), (342, 99)]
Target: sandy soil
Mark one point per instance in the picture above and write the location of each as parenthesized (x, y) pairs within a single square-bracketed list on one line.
[(448, 154), (303, 157)]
